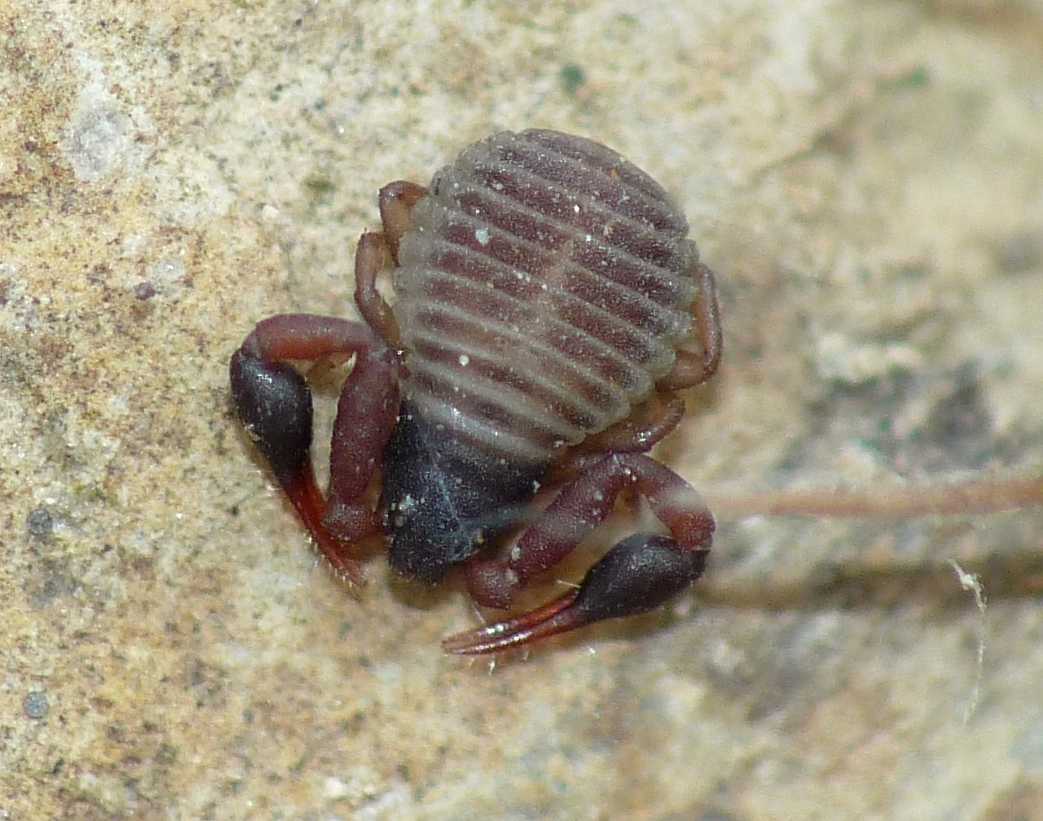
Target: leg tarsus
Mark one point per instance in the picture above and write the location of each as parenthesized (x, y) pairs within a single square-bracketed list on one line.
[(637, 575)]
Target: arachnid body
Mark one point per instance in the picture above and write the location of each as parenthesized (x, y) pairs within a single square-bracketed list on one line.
[(548, 302)]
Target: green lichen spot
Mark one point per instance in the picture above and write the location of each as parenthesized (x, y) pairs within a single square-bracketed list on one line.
[(571, 77), (319, 187), (916, 77)]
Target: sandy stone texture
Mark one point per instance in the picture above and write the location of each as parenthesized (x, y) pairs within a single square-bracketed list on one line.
[(867, 178)]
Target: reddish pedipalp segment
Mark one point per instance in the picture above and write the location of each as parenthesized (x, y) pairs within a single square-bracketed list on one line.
[(585, 504), (543, 287)]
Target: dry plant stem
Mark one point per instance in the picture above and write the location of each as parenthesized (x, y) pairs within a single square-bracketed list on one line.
[(975, 497)]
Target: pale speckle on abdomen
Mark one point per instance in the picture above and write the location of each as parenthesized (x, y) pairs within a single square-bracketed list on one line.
[(541, 292)]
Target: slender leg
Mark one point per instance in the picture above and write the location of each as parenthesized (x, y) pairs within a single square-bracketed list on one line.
[(274, 404), (636, 575), (641, 431), (396, 210), (396, 207), (369, 261), (638, 433), (695, 368)]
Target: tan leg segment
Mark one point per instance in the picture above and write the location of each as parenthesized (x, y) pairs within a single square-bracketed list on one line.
[(695, 368)]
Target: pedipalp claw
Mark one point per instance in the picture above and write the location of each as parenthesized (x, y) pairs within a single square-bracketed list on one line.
[(274, 404), (637, 575), (554, 617)]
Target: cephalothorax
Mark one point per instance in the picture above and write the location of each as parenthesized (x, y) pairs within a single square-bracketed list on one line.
[(549, 305)]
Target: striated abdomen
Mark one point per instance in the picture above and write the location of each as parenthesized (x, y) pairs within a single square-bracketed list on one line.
[(541, 292)]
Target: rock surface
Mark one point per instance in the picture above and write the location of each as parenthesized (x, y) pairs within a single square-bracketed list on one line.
[(867, 180)]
